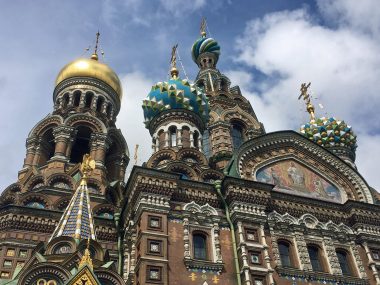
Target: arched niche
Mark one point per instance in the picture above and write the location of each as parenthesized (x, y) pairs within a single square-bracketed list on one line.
[(81, 144), (294, 177)]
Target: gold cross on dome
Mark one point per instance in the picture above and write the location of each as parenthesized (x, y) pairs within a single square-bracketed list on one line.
[(306, 97)]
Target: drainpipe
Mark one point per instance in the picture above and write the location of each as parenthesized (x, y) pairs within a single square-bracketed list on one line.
[(119, 248), (218, 186)]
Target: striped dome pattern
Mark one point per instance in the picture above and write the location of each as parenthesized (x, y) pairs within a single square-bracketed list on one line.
[(203, 45)]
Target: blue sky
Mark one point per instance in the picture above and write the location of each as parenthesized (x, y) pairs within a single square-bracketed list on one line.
[(268, 48)]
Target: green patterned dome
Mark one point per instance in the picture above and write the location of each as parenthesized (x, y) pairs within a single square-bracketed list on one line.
[(330, 132), (176, 93)]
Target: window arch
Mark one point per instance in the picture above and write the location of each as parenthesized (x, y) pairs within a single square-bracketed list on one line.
[(99, 104), (77, 95), (237, 135), (173, 136), (88, 100), (65, 100), (206, 144), (345, 262), (81, 145), (199, 246), (47, 146), (316, 256), (285, 250), (196, 139)]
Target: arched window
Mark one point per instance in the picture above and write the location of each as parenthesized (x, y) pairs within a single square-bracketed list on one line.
[(65, 100), (315, 257), (89, 97), (47, 147), (200, 246), (81, 145), (237, 135), (173, 136), (284, 248), (196, 138), (99, 104), (206, 144), (109, 109), (77, 95), (344, 262)]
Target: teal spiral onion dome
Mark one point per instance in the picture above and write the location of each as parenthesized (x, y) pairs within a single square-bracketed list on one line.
[(205, 45), (330, 133), (176, 93)]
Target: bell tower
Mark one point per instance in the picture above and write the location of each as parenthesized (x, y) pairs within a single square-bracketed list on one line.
[(86, 98), (86, 101), (232, 119)]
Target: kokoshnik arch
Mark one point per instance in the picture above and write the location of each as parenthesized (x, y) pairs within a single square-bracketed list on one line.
[(219, 201)]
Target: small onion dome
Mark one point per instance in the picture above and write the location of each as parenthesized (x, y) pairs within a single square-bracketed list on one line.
[(205, 45), (92, 68), (330, 133), (175, 94)]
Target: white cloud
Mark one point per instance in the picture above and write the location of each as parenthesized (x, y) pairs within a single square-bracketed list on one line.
[(130, 119), (342, 62)]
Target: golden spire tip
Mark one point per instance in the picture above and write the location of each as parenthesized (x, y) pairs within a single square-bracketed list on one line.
[(173, 62), (203, 28), (94, 56), (306, 97)]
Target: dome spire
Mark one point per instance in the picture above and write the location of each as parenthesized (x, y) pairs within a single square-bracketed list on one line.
[(306, 97), (94, 56), (203, 28), (173, 63)]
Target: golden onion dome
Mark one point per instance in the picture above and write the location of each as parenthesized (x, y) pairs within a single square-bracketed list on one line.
[(91, 67)]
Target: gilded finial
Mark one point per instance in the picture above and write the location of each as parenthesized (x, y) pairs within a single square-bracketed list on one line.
[(86, 167), (173, 62), (306, 97), (203, 28), (95, 54), (86, 258)]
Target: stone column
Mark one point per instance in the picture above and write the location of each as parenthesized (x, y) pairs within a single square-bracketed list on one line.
[(167, 138), (303, 254), (31, 144), (191, 139), (179, 137), (38, 151), (266, 254), (99, 144), (62, 137), (82, 100), (332, 258), (371, 263)]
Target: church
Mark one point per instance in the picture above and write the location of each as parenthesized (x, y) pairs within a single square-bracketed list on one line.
[(219, 201)]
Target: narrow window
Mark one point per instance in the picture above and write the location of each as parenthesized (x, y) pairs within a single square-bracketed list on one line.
[(89, 97), (77, 98), (196, 138), (237, 136), (284, 249), (206, 144), (344, 262), (99, 104), (199, 246), (173, 136), (314, 254)]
